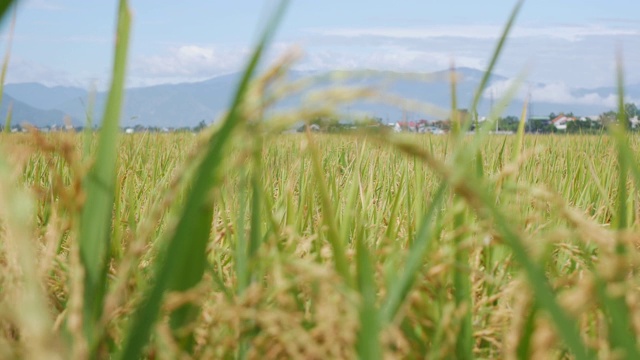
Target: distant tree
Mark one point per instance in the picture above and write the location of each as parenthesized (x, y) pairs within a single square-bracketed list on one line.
[(201, 126), (509, 123), (631, 110), (608, 117), (573, 127), (541, 126), (369, 121), (443, 124), (584, 127), (377, 120), (552, 116), (331, 124)]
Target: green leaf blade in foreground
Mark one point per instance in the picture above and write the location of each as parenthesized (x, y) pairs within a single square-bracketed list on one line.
[(462, 285), (480, 198), (7, 121), (494, 58), (621, 334), (400, 289), (177, 270), (520, 134), (565, 325), (5, 63), (99, 185), (328, 214), (368, 342), (4, 7)]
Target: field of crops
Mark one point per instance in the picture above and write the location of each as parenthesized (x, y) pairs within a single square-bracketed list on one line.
[(326, 246), (245, 243)]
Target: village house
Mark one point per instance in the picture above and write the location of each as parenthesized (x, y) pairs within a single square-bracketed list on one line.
[(560, 121)]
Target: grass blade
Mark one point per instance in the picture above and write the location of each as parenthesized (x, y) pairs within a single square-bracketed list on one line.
[(494, 58), (4, 7), (621, 332), (523, 349), (520, 134), (462, 283), (99, 185), (620, 328), (7, 121), (482, 200), (456, 127), (368, 342), (565, 325), (462, 297), (5, 63), (185, 265), (328, 217), (88, 128), (400, 289), (32, 313), (621, 221)]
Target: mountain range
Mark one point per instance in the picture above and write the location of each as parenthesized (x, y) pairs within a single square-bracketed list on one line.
[(187, 104)]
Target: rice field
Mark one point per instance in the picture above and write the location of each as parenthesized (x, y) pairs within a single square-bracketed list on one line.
[(327, 246), (245, 243)]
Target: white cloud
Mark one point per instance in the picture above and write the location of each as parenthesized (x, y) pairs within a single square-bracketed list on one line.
[(579, 55), (486, 32), (582, 56), (393, 58), (44, 5), (412, 49), (190, 62), (196, 62), (554, 93), (21, 70)]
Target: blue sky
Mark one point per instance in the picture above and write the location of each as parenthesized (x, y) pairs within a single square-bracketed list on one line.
[(566, 44)]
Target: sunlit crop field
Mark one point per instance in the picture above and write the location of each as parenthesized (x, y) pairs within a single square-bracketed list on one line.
[(321, 246), (241, 242)]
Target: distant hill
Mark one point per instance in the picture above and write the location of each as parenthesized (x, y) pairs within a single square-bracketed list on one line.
[(172, 105), (24, 113), (186, 104), (44, 97)]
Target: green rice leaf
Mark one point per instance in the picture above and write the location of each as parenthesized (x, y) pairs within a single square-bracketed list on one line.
[(368, 342), (621, 332), (99, 186), (495, 56), (7, 121), (328, 217), (520, 134), (462, 284), (401, 288), (5, 63), (183, 263)]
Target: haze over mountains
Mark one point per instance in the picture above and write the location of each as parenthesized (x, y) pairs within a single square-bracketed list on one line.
[(187, 104)]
